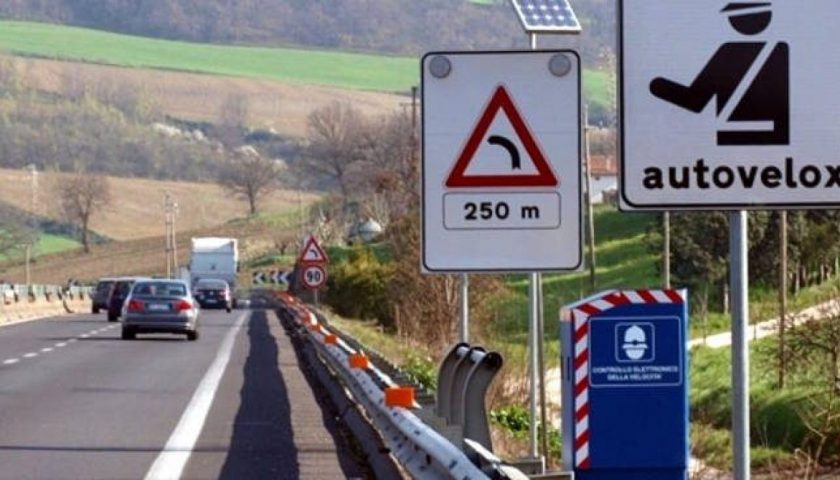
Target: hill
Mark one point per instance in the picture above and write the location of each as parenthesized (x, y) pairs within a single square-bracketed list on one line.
[(136, 211), (146, 256), (288, 65), (311, 67), (397, 26), (283, 107)]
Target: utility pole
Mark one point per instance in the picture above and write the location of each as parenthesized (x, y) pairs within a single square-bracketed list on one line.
[(174, 239), (170, 210), (33, 208)]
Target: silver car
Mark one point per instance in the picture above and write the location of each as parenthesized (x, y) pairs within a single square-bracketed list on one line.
[(160, 306)]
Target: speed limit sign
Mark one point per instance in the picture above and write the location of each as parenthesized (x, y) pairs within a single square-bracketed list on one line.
[(314, 276)]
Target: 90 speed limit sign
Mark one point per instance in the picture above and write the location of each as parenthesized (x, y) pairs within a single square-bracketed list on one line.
[(314, 276)]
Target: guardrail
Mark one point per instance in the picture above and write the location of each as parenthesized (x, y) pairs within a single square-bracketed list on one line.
[(423, 451)]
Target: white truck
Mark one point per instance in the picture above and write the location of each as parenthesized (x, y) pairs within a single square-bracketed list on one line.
[(216, 258)]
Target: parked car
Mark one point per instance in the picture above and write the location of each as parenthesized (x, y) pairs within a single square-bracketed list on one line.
[(119, 291), (213, 293), (99, 300), (160, 306)]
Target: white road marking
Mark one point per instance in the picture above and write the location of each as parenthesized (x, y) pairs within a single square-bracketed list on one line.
[(47, 349), (73, 340), (84, 335), (170, 463), (60, 344), (30, 355), (10, 361)]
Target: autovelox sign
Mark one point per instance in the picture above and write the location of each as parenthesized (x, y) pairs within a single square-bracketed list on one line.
[(501, 161), (729, 104)]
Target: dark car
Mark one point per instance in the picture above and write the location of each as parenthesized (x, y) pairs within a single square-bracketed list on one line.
[(99, 300), (119, 291), (213, 293), (160, 306)]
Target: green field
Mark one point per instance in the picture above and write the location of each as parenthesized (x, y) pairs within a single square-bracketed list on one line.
[(293, 65), (48, 243)]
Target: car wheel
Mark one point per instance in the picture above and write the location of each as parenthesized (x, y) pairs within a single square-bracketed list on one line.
[(192, 335), (228, 309), (94, 310), (112, 317), (128, 334)]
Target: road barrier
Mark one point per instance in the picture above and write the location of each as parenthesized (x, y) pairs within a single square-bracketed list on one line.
[(465, 375), (21, 302), (420, 449)]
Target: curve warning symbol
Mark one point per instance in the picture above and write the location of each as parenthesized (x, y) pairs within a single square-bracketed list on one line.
[(515, 172)]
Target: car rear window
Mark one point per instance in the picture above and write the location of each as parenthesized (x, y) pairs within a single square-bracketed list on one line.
[(210, 284), (165, 289), (103, 286)]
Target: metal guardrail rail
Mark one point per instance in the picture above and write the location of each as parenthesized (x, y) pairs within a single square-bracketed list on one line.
[(420, 449)]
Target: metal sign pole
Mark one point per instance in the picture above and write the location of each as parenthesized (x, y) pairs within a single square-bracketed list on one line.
[(533, 338), (534, 341), (740, 348), (464, 326), (666, 258)]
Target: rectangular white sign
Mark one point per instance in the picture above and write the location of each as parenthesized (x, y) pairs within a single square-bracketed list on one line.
[(729, 105), (501, 161)]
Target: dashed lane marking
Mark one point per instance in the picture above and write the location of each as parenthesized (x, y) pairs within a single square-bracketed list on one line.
[(30, 355), (47, 349), (11, 361)]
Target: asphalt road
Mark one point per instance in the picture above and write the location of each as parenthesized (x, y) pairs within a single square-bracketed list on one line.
[(78, 402)]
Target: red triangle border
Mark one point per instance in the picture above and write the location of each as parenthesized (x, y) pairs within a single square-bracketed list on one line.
[(501, 100)]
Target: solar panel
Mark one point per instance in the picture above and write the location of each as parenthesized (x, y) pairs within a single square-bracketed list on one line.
[(546, 16)]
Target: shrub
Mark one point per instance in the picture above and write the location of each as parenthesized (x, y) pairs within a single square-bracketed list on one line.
[(358, 287), (422, 371)]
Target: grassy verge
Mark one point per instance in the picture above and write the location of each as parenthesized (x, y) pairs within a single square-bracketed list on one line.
[(778, 428)]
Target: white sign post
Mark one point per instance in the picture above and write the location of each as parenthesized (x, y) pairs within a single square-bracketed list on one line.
[(730, 106), (501, 162)]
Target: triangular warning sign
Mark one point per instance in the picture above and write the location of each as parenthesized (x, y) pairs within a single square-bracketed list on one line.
[(544, 177), (312, 252)]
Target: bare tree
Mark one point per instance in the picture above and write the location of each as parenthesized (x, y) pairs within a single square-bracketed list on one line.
[(390, 166), (337, 139), (249, 175), (234, 115), (81, 196)]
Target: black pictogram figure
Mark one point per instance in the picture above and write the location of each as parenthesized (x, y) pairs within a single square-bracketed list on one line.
[(766, 99)]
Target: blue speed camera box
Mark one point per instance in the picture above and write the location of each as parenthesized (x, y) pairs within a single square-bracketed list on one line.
[(625, 386)]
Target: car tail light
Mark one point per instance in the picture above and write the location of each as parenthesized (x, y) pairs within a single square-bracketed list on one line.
[(183, 305), (135, 306)]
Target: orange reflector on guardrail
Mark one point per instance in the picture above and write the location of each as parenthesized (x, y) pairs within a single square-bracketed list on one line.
[(399, 397), (331, 339), (315, 327), (360, 361)]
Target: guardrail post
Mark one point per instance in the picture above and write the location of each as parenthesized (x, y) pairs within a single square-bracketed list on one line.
[(446, 374), (475, 425), (462, 372)]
